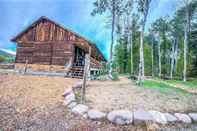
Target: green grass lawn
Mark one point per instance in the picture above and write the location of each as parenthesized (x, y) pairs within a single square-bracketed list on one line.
[(162, 87), (188, 84)]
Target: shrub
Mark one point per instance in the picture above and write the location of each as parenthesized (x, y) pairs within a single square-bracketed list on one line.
[(2, 59), (115, 76)]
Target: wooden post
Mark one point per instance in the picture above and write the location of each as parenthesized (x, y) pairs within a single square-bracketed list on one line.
[(83, 89), (89, 68), (26, 64)]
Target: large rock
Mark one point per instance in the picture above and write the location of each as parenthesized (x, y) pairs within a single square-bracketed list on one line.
[(183, 118), (141, 116), (69, 98), (96, 115), (120, 117), (67, 92), (78, 85), (170, 117), (193, 116), (80, 109), (158, 117), (72, 105)]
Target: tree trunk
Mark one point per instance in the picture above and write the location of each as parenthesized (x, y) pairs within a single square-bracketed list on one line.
[(141, 64), (172, 59), (152, 56), (175, 56), (186, 44), (112, 40), (131, 46), (83, 89), (159, 53)]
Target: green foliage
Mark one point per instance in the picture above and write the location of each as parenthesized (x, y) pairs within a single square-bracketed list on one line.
[(147, 59), (188, 84), (115, 76), (6, 58), (2, 58), (102, 77), (164, 88)]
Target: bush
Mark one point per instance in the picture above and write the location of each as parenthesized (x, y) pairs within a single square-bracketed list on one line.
[(115, 76), (102, 77), (2, 59)]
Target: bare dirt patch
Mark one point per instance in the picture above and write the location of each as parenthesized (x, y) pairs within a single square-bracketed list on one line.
[(35, 104), (124, 94), (33, 91)]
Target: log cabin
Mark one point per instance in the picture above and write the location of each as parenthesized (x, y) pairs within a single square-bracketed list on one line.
[(48, 46)]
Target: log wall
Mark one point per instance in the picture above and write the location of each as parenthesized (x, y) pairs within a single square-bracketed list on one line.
[(45, 53), (48, 43)]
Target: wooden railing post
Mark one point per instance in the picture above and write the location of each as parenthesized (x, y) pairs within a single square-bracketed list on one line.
[(26, 64), (83, 90), (89, 68)]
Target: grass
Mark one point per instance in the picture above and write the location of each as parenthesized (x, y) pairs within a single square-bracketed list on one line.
[(162, 87), (6, 58), (188, 84)]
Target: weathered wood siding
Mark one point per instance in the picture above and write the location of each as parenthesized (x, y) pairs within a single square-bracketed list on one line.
[(48, 43)]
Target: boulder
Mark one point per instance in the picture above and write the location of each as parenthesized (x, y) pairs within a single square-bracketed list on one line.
[(78, 85), (158, 117), (141, 116), (80, 109), (67, 92), (72, 105), (96, 115), (120, 117), (183, 118), (193, 116), (170, 117), (69, 98)]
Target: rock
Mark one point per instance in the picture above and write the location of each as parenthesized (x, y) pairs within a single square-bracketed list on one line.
[(80, 109), (85, 115), (120, 117), (193, 116), (69, 98), (141, 116), (183, 118), (96, 115), (78, 85), (158, 117), (170, 117), (72, 105), (67, 92)]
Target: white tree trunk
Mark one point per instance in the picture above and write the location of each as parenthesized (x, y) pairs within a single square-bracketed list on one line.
[(131, 46), (152, 57), (159, 53), (172, 59), (186, 44), (130, 41), (141, 64), (175, 56), (112, 40)]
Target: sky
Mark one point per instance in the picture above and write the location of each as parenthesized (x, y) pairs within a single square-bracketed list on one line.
[(16, 15)]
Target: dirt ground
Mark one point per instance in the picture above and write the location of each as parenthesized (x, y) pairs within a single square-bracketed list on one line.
[(33, 103), (124, 94), (36, 103)]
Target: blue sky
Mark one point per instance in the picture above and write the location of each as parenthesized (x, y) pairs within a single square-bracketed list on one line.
[(73, 14)]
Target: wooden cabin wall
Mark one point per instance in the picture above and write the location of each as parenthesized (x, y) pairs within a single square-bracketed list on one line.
[(45, 53), (49, 44), (47, 31)]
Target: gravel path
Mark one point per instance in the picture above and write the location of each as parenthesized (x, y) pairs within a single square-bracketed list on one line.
[(124, 94)]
